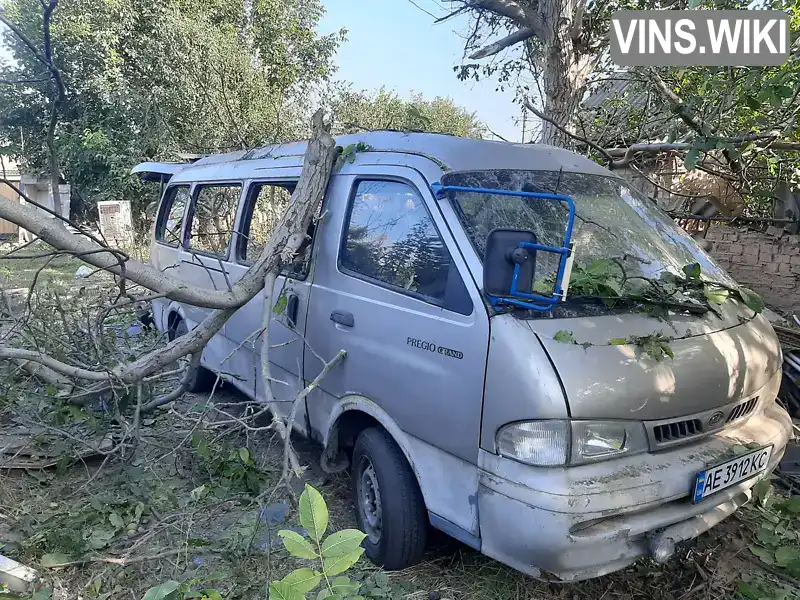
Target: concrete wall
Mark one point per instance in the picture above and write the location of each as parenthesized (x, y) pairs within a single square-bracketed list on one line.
[(767, 262)]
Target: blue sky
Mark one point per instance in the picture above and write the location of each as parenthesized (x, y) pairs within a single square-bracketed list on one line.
[(395, 44)]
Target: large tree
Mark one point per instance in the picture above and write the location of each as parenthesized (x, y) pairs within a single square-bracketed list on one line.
[(553, 51), (152, 79)]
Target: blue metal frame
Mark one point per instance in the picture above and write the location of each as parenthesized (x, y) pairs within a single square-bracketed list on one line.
[(519, 298)]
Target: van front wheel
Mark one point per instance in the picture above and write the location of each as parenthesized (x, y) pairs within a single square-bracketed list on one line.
[(389, 505)]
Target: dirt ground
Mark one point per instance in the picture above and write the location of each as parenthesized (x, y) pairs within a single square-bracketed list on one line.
[(193, 514)]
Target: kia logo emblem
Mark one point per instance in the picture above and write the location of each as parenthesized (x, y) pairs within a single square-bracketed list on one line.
[(716, 418)]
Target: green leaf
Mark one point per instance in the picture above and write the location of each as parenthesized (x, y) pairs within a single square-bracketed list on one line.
[(278, 590), (280, 305), (693, 156), (753, 301), (244, 455), (336, 565), (56, 559), (564, 337), (164, 591), (763, 554), (748, 591), (786, 554), (326, 595), (381, 579), (342, 586), (667, 350), (297, 545), (692, 271), (303, 580), (313, 513), (792, 505), (342, 542), (45, 594), (618, 342), (752, 103), (766, 537), (716, 296), (762, 490), (116, 520), (100, 538)]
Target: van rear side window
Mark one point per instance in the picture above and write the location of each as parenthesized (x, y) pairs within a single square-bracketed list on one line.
[(266, 203), (391, 238), (212, 218), (170, 218)]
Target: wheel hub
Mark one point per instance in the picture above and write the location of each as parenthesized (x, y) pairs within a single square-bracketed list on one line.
[(369, 502)]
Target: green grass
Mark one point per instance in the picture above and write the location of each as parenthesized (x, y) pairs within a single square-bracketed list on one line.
[(20, 272)]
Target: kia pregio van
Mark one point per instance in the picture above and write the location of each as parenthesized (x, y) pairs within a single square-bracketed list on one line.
[(503, 383)]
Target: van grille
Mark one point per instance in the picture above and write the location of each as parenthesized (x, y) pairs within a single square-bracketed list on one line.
[(742, 410), (669, 432)]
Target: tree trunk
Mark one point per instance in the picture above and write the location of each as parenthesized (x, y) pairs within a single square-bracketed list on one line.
[(565, 70)]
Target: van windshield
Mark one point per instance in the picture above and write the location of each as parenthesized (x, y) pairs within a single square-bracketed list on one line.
[(613, 221)]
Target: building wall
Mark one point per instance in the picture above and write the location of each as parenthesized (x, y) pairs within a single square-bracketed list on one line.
[(769, 262)]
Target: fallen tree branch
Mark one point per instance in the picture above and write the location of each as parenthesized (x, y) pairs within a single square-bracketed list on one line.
[(610, 161), (284, 243)]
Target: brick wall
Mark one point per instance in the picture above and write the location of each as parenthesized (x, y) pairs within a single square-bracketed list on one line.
[(767, 262)]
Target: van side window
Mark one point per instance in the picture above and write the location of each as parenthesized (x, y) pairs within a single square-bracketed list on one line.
[(390, 237), (266, 204), (212, 218), (170, 218)]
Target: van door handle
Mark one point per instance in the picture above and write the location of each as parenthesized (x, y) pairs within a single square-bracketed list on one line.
[(291, 310), (342, 317)]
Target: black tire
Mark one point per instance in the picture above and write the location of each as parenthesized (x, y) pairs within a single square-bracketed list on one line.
[(202, 380), (399, 539)]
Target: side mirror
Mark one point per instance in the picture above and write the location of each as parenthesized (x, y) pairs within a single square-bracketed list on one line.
[(502, 254)]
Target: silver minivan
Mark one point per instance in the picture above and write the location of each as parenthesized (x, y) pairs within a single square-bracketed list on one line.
[(505, 382)]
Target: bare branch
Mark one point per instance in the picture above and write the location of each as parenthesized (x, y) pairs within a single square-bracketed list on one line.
[(500, 45), (529, 105)]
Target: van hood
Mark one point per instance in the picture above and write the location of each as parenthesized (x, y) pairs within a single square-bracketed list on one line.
[(717, 360)]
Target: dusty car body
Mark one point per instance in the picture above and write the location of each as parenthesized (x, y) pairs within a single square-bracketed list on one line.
[(562, 460)]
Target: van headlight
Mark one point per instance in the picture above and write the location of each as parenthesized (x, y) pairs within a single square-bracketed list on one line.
[(555, 443)]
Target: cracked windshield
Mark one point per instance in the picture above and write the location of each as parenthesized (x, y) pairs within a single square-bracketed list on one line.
[(617, 230)]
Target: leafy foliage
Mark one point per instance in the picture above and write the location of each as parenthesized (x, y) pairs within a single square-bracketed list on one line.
[(174, 590), (349, 152), (602, 277), (564, 337), (233, 469), (152, 79), (357, 111), (336, 554), (775, 542)]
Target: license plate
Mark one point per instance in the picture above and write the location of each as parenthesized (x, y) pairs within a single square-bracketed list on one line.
[(731, 472)]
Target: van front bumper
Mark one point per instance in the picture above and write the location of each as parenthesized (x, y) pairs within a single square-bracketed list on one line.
[(579, 522)]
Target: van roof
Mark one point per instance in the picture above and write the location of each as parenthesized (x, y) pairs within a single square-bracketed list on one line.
[(450, 152)]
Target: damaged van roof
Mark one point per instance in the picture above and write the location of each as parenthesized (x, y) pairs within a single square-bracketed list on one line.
[(449, 152)]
